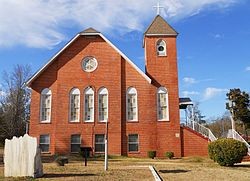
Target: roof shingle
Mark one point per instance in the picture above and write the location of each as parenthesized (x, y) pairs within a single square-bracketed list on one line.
[(160, 27)]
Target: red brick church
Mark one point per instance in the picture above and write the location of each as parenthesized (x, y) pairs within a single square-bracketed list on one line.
[(90, 81)]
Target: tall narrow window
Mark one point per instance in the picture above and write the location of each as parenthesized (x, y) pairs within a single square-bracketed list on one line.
[(161, 48), (132, 110), (45, 105), (162, 104), (103, 104), (89, 105), (133, 142), (74, 105), (99, 143), (75, 143), (44, 143)]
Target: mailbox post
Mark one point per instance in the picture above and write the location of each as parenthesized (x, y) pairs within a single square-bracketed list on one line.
[(86, 152)]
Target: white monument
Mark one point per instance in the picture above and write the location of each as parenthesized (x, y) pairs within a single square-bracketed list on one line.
[(22, 157)]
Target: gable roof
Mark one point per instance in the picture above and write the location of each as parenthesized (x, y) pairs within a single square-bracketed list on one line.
[(160, 27), (89, 31)]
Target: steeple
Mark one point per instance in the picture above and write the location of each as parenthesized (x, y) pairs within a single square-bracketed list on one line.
[(160, 27)]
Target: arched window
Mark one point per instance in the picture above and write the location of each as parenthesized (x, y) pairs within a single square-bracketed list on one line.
[(89, 105), (162, 104), (74, 105), (103, 104), (161, 48), (132, 108), (45, 105)]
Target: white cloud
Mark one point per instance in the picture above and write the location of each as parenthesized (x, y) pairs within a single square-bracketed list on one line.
[(189, 93), (189, 80), (248, 68), (212, 92), (41, 23), (217, 36)]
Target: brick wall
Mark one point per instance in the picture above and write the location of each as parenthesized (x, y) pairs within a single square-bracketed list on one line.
[(193, 143), (117, 75)]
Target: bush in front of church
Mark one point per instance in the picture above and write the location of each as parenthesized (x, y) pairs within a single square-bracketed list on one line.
[(151, 154), (227, 151)]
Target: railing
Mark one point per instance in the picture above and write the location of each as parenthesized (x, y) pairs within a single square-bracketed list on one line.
[(235, 135), (202, 130)]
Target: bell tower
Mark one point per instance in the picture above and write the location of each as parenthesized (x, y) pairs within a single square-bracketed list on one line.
[(160, 52), (161, 66)]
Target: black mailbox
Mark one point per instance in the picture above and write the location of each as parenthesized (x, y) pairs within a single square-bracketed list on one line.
[(86, 153)]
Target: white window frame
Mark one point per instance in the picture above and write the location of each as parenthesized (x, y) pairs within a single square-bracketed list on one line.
[(162, 90), (134, 142), (89, 91), (131, 91), (101, 92), (71, 143), (44, 143), (45, 92), (73, 92), (162, 43)]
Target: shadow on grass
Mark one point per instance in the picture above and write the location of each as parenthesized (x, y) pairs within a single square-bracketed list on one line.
[(174, 171), (242, 166), (52, 175)]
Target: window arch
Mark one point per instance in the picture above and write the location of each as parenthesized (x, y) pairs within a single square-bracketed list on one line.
[(132, 107), (89, 104), (74, 113), (161, 48), (103, 104), (162, 104), (45, 105)]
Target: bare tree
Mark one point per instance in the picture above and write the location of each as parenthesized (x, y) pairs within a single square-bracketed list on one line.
[(195, 112), (14, 105), (220, 125)]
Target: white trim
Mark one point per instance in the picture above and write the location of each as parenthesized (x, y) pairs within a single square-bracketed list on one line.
[(89, 91), (74, 91), (161, 43), (103, 91), (132, 90), (28, 83), (50, 61), (88, 58), (162, 90), (45, 91)]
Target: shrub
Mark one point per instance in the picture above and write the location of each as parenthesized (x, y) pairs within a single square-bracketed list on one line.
[(61, 160), (169, 154), (151, 154), (227, 152)]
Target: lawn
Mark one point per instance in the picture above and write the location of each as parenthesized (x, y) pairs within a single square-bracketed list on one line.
[(122, 168)]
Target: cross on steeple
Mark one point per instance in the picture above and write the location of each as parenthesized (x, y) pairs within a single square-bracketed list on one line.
[(158, 8)]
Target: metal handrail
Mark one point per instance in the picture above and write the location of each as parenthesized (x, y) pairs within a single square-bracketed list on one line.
[(202, 130), (235, 135)]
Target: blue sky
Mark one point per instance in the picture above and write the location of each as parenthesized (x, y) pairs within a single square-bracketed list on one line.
[(213, 42)]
